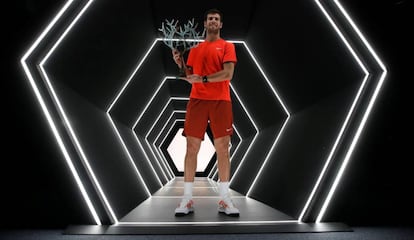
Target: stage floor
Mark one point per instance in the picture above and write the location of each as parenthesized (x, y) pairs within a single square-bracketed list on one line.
[(156, 215), (366, 233), (159, 209)]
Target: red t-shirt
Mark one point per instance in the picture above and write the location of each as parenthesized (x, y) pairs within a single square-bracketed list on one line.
[(208, 58)]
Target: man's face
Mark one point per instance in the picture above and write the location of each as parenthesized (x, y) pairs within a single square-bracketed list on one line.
[(213, 22)]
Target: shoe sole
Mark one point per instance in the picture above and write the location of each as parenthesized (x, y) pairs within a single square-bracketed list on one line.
[(230, 214), (180, 214)]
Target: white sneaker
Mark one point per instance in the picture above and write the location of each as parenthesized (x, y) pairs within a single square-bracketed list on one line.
[(227, 207), (185, 207)]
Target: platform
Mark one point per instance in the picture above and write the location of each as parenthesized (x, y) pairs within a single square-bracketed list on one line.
[(156, 215)]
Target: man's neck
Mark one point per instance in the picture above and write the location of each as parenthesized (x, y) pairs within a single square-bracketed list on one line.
[(212, 37)]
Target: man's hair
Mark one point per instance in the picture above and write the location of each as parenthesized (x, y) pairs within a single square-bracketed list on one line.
[(213, 11)]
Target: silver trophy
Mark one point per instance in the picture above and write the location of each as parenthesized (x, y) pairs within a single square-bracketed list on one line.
[(181, 38)]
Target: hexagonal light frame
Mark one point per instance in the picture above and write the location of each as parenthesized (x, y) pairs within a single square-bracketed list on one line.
[(159, 115), (173, 126), (158, 149), (58, 137)]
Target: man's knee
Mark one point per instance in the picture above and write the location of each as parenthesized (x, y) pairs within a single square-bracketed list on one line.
[(193, 145), (222, 145)]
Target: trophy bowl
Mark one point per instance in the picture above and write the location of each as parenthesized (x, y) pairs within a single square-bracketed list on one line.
[(181, 38)]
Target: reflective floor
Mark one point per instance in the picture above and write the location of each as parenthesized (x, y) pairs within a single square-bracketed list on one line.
[(159, 209), (156, 215)]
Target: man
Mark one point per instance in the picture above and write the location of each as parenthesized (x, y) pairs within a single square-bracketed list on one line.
[(210, 67)]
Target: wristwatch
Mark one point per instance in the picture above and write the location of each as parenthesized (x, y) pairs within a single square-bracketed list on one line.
[(205, 79)]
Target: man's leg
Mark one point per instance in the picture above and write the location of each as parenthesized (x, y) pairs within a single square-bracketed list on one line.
[(190, 161), (190, 166), (223, 157)]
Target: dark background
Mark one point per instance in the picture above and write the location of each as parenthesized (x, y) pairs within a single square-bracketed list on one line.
[(38, 191)]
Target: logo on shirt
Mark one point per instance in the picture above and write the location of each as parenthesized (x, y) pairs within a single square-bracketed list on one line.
[(218, 48)]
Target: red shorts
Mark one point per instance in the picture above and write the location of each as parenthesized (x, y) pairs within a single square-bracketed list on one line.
[(200, 113)]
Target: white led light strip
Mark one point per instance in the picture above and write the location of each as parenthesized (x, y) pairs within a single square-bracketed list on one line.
[(341, 132), (251, 187), (205, 223), (119, 135), (68, 124), (131, 76), (47, 113), (367, 111)]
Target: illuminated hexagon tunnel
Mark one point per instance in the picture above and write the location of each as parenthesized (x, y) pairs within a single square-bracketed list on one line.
[(107, 89), (162, 142)]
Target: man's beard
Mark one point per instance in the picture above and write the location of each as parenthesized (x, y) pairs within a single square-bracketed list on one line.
[(213, 31)]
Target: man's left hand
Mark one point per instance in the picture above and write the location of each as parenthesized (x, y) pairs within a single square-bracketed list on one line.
[(193, 78)]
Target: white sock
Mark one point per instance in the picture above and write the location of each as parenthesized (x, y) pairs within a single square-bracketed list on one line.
[(188, 190), (224, 189)]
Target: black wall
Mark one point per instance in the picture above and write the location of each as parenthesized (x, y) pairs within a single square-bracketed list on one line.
[(39, 191)]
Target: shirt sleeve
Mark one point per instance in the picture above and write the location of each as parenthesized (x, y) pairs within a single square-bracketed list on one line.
[(229, 53)]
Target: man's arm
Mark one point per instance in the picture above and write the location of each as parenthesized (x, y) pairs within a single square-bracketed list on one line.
[(225, 74), (177, 59)]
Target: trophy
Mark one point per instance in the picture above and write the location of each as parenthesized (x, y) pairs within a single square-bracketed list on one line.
[(181, 38)]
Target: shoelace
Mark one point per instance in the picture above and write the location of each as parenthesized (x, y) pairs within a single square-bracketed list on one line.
[(226, 204), (186, 203)]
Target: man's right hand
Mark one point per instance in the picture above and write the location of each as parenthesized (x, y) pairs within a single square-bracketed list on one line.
[(177, 57)]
